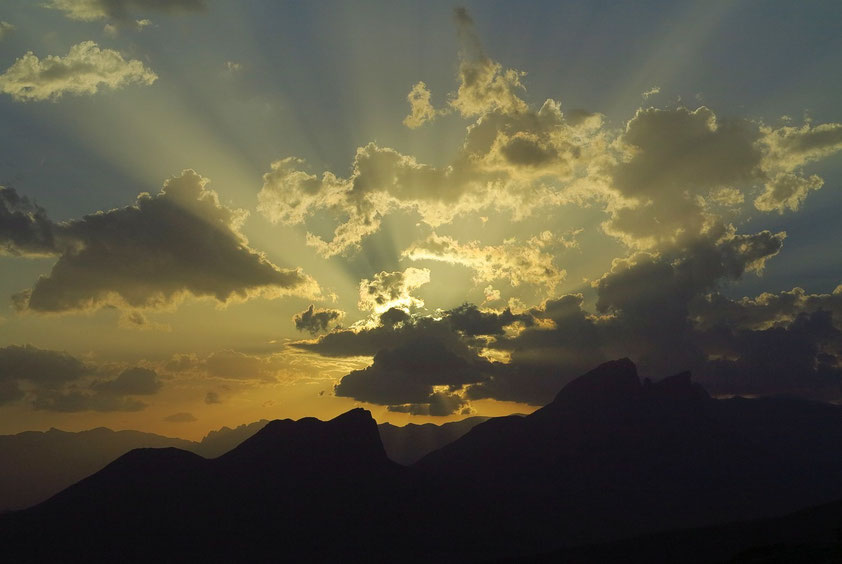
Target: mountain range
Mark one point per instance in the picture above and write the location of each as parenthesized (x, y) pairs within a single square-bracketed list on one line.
[(44, 463), (610, 458)]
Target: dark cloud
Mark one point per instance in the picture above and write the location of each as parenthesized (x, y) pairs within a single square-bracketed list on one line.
[(438, 404), (394, 316), (316, 320), (766, 310), (42, 368), (181, 417), (471, 320), (24, 227), (102, 395), (10, 392), (408, 374), (57, 381), (135, 381), (212, 398), (803, 358), (178, 242)]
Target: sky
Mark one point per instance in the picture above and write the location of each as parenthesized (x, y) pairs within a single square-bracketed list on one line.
[(218, 212)]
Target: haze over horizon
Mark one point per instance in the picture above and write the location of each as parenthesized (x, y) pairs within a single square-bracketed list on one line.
[(214, 213)]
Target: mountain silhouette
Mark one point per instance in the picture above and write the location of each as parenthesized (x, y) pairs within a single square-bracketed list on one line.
[(48, 462), (38, 465), (409, 443), (609, 458)]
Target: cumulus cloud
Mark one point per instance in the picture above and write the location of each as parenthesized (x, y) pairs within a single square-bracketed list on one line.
[(316, 320), (92, 10), (786, 191), (411, 377), (675, 165), (648, 307), (514, 158), (421, 110), (179, 242), (651, 92), (674, 183), (674, 159), (57, 381), (528, 263), (25, 229), (484, 85), (764, 311), (387, 290), (135, 381), (86, 69), (43, 369)]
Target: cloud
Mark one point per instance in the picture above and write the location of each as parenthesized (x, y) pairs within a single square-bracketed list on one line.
[(387, 290), (471, 320), (134, 319), (316, 320), (86, 69), (786, 191), (135, 381), (92, 10), (651, 92), (57, 381), (179, 242), (421, 110), (789, 147), (27, 371), (181, 417), (676, 165), (102, 395), (38, 367), (484, 85), (674, 159), (514, 158), (5, 29), (675, 184), (764, 311), (802, 358), (529, 263), (24, 227), (212, 398), (409, 377)]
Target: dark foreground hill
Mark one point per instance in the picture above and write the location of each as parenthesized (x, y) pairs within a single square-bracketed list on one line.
[(811, 535), (609, 458)]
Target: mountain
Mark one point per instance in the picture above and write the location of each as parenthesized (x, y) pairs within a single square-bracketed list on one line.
[(37, 465), (406, 445), (610, 458), (295, 487), (216, 443), (47, 462)]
